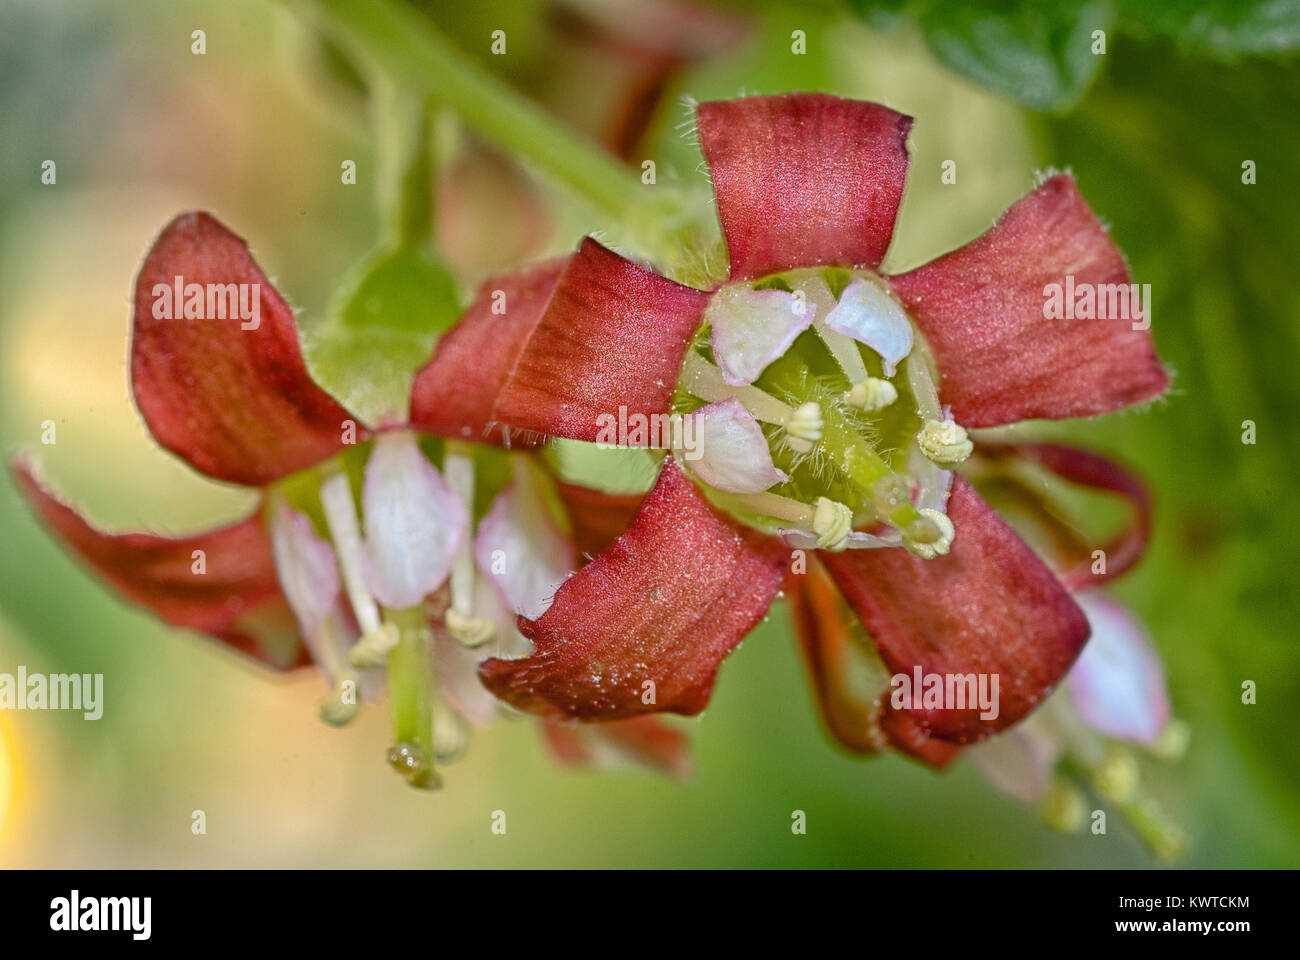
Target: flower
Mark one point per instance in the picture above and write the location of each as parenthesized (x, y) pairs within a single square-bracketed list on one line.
[(854, 449), (308, 577)]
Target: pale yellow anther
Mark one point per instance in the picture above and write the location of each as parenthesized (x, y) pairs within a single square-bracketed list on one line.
[(372, 650), (340, 706), (1116, 777), (923, 542), (450, 733), (944, 442), (871, 394), (1173, 740), (804, 428), (1062, 807), (832, 522), (469, 631)]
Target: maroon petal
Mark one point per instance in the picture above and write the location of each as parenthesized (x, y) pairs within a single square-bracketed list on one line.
[(237, 600), (989, 607), (613, 336), (981, 309), (646, 741), (598, 518), (453, 394), (804, 179), (643, 627), (1093, 470), (236, 403)]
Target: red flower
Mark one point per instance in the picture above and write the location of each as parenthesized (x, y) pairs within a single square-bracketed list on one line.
[(849, 458)]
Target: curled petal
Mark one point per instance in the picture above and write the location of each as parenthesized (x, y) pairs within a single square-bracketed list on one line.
[(231, 396), (1018, 762), (454, 393), (305, 566), (1118, 683), (644, 627), (222, 583), (644, 741), (982, 311), (413, 522), (598, 518), (867, 313), (731, 452), (988, 607), (613, 336), (751, 328), (519, 547), (804, 179)]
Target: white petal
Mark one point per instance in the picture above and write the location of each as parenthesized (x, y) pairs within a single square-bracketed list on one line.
[(519, 547), (729, 450), (751, 328), (414, 523), (456, 666), (868, 314), (1018, 762), (304, 564), (1118, 682)]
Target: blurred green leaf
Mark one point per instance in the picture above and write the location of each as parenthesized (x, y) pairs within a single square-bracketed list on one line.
[(379, 330), (1220, 28)]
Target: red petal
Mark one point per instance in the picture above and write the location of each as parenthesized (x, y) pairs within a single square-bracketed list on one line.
[(598, 518), (612, 336), (664, 604), (1093, 470), (237, 404), (453, 394), (981, 309), (989, 607), (237, 600), (907, 735), (804, 179), (645, 740)]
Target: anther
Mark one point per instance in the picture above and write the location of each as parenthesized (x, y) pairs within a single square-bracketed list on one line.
[(372, 650), (832, 522), (341, 705), (871, 394), (931, 536), (468, 631), (804, 428), (944, 442)]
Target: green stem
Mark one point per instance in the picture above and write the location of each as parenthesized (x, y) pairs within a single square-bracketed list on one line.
[(410, 692), (419, 58), (859, 461), (406, 164)]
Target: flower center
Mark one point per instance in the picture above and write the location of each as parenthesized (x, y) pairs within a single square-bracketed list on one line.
[(842, 385)]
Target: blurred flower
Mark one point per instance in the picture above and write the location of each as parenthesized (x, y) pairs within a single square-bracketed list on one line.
[(808, 441)]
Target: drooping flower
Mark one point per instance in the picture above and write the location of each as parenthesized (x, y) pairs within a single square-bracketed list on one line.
[(831, 406), (360, 542)]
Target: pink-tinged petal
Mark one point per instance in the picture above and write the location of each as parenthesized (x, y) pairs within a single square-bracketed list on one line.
[(644, 627), (453, 394), (456, 666), (519, 547), (236, 598), (598, 518), (231, 397), (867, 313), (989, 607), (751, 328), (1118, 683), (414, 522), (981, 309), (613, 335), (804, 179), (640, 741), (1019, 762), (1093, 470), (305, 567), (730, 451)]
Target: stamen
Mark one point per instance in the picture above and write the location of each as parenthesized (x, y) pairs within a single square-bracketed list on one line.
[(871, 394), (921, 381), (804, 428), (832, 522), (450, 733), (845, 351), (377, 638), (931, 536), (702, 379), (469, 630), (775, 505), (944, 442), (327, 648)]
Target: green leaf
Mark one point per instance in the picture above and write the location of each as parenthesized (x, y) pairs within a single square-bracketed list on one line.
[(1225, 29), (1039, 56), (379, 330)]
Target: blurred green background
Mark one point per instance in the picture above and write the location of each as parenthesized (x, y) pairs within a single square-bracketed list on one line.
[(1156, 131)]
